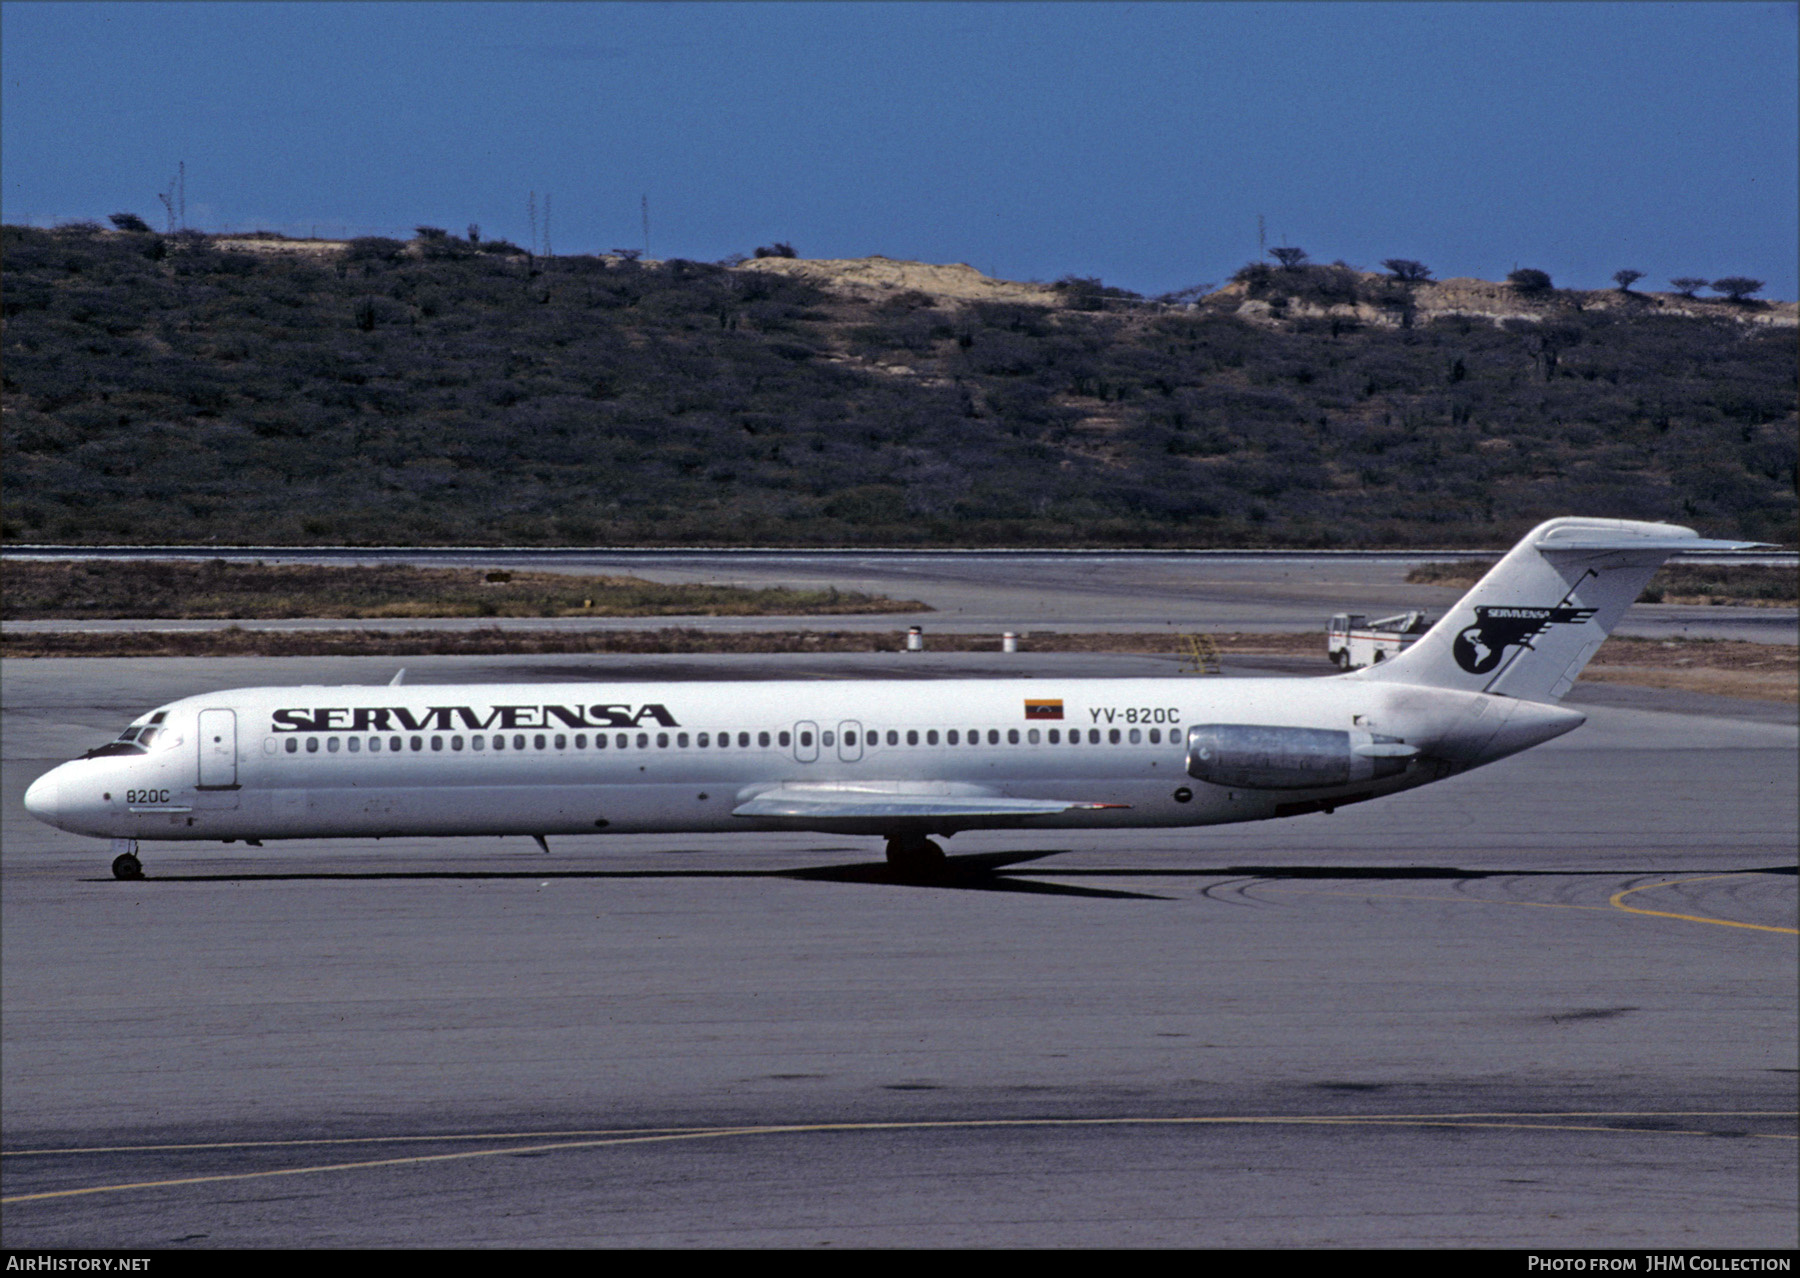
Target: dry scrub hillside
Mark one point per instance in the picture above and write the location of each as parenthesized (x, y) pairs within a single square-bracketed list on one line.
[(256, 390), (877, 278)]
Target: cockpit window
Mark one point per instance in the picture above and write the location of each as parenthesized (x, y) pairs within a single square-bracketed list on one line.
[(136, 739)]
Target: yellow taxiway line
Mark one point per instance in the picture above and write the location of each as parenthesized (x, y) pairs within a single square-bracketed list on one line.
[(551, 1142)]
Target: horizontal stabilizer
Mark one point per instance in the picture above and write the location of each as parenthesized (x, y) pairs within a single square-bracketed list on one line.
[(1624, 536)]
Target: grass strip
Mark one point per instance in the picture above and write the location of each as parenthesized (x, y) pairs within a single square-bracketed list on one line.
[(218, 589), (1751, 585)]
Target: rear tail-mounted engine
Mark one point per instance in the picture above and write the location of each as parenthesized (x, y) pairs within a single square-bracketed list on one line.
[(1247, 756)]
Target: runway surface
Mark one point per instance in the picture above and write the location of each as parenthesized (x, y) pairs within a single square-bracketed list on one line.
[(1549, 1003), (989, 592)]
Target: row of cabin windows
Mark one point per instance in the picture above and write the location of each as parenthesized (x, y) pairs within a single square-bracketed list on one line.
[(723, 740), (519, 741)]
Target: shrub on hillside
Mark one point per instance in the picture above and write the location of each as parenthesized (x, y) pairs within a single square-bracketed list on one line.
[(1335, 285), (1407, 270), (374, 248), (1737, 287)]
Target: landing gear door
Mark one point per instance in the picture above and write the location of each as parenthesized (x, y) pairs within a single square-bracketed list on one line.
[(218, 750)]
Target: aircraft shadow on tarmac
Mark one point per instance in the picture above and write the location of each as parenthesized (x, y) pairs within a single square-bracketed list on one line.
[(983, 872)]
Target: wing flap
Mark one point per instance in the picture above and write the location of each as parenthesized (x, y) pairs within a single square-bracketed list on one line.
[(778, 805), (901, 800)]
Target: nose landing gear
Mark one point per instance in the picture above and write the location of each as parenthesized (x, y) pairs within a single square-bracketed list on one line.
[(126, 864)]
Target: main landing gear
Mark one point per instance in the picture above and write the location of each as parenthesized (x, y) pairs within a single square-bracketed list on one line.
[(126, 864), (914, 854)]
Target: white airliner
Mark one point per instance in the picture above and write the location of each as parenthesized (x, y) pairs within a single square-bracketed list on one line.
[(902, 760)]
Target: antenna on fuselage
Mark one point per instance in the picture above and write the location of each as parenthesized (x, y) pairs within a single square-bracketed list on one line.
[(399, 677)]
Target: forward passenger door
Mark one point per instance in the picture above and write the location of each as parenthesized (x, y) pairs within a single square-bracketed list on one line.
[(218, 749)]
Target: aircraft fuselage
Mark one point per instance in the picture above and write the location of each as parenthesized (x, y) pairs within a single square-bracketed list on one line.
[(538, 759)]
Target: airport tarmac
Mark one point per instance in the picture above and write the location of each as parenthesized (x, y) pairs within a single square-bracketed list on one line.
[(1550, 1003)]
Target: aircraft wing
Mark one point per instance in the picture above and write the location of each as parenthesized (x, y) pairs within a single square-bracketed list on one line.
[(901, 800)]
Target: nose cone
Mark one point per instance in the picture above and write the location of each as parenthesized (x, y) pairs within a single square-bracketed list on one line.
[(41, 798)]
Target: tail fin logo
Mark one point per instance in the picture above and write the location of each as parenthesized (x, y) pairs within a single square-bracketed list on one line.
[(1480, 647)]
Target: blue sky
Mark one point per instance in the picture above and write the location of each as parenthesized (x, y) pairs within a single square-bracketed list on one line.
[(1135, 142)]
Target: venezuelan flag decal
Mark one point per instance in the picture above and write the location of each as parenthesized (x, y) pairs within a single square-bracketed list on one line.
[(1043, 709)]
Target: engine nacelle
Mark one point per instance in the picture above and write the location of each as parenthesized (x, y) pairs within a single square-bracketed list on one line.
[(1247, 756)]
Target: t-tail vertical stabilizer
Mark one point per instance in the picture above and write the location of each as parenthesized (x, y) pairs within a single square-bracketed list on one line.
[(1529, 626)]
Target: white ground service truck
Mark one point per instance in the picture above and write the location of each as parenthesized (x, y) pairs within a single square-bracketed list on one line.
[(1352, 641)]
